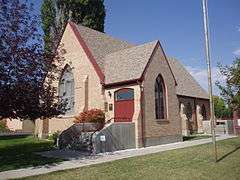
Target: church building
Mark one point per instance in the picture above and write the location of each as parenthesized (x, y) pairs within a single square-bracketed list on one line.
[(131, 83)]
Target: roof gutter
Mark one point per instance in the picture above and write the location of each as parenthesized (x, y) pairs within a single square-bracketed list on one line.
[(121, 83)]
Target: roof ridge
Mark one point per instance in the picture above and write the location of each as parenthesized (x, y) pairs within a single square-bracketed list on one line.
[(104, 34), (136, 46)]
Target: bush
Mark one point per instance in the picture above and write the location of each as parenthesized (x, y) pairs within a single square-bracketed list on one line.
[(91, 116), (3, 127), (54, 137)]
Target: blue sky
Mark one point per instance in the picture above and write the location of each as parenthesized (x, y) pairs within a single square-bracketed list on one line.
[(178, 24)]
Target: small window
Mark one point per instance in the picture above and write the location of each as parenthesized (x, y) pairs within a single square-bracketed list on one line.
[(124, 94), (110, 107), (106, 107)]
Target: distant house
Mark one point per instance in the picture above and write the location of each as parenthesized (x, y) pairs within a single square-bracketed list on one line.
[(131, 83)]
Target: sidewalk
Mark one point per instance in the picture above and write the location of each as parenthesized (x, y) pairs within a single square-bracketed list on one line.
[(77, 160)]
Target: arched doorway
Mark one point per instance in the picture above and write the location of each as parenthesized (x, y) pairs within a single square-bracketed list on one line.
[(124, 105)]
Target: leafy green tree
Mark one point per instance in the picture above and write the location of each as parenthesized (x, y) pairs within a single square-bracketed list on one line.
[(56, 13), (220, 108), (230, 90), (48, 16)]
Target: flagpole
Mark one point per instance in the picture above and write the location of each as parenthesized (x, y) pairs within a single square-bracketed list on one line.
[(208, 60)]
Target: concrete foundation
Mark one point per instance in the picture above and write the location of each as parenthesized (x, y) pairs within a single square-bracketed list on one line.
[(116, 136), (153, 141)]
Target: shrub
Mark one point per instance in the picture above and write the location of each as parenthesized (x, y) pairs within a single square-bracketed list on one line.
[(91, 116), (54, 136), (3, 127)]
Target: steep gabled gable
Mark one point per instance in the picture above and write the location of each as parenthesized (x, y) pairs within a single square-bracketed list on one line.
[(158, 45), (127, 64)]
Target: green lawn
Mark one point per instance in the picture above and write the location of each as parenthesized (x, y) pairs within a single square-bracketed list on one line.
[(189, 163), (18, 152)]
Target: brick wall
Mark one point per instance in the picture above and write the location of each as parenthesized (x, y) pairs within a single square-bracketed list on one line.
[(170, 128), (88, 90)]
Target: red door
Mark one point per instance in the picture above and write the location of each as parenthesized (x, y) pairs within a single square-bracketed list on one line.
[(124, 105)]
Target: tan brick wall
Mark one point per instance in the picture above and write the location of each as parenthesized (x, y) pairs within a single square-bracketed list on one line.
[(28, 126), (14, 124), (88, 90), (170, 126), (60, 124), (82, 69)]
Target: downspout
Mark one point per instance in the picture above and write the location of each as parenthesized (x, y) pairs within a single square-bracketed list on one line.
[(142, 112)]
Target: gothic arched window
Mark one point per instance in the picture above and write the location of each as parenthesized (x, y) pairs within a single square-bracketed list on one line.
[(160, 98), (66, 90)]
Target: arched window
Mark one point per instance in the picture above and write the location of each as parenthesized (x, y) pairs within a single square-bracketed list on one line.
[(160, 98), (66, 90), (204, 112)]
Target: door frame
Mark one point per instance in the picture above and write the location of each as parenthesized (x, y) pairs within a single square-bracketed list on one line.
[(124, 100)]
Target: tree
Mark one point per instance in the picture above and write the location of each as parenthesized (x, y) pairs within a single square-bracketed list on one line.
[(24, 65), (48, 16), (230, 91), (220, 108), (56, 13)]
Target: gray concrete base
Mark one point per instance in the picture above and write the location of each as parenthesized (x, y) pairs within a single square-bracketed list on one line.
[(116, 136), (153, 141)]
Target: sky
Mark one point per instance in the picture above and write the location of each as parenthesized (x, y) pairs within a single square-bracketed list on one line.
[(178, 24)]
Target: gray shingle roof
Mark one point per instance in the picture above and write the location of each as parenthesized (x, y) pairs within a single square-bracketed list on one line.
[(186, 84), (121, 61), (100, 44), (127, 64)]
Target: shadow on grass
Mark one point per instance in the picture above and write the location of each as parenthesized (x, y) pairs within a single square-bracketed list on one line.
[(229, 153), (23, 155), (17, 136), (195, 137)]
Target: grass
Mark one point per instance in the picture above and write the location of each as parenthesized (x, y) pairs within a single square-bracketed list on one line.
[(18, 152), (189, 163)]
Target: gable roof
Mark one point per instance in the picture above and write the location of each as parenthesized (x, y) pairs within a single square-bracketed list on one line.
[(101, 44), (119, 61), (127, 64), (187, 85)]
